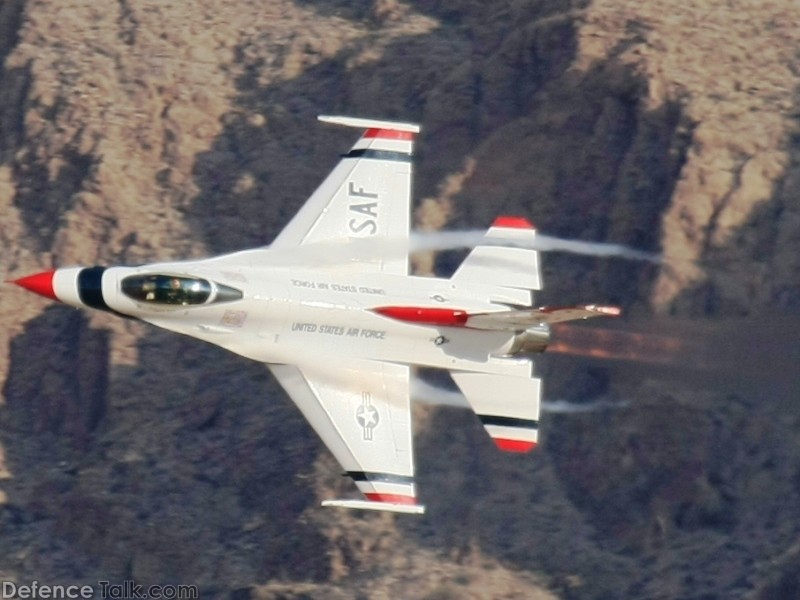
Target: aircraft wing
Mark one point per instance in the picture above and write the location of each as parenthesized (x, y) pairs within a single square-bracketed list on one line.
[(366, 196), (361, 410)]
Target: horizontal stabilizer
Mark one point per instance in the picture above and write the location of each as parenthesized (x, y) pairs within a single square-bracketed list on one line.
[(503, 260), (507, 406), (412, 509), (516, 320)]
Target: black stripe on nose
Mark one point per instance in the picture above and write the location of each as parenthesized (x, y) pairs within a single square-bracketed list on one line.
[(90, 287)]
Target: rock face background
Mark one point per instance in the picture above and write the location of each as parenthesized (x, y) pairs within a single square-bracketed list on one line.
[(139, 130)]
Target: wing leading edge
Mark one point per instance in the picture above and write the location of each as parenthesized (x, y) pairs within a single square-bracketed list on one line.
[(361, 410)]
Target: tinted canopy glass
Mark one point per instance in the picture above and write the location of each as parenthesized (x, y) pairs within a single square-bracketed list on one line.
[(167, 289)]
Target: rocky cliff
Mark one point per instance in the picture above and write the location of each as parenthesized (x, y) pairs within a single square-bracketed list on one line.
[(140, 130)]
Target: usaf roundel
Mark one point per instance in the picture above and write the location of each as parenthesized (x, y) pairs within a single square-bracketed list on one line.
[(367, 415)]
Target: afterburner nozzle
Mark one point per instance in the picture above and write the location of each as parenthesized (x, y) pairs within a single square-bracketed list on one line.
[(40, 283)]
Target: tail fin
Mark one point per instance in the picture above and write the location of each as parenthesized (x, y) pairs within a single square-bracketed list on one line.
[(508, 407), (509, 266)]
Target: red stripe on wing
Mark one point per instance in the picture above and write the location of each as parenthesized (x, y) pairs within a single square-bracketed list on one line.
[(389, 134), (391, 498)]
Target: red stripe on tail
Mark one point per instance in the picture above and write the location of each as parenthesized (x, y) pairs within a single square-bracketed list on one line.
[(513, 222)]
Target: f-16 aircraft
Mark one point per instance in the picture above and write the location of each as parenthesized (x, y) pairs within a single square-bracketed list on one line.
[(342, 336)]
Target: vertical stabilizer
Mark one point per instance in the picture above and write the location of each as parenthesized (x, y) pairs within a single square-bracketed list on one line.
[(504, 260), (507, 406)]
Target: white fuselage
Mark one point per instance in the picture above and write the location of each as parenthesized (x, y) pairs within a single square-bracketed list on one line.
[(290, 315)]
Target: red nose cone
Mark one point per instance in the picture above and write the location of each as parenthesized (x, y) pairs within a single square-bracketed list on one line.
[(41, 283)]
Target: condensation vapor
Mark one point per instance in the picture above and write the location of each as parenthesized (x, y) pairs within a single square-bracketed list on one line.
[(425, 393), (340, 252), (454, 240)]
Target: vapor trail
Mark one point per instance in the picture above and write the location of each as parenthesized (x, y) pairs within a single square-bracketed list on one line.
[(566, 407), (424, 392), (451, 240), (344, 252)]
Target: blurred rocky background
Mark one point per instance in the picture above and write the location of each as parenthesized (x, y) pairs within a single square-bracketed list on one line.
[(143, 130)]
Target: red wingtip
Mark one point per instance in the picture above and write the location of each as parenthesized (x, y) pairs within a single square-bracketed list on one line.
[(40, 283), (513, 222), (514, 445), (391, 498), (389, 134)]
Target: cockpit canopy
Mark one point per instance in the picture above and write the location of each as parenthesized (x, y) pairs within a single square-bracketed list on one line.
[(176, 290)]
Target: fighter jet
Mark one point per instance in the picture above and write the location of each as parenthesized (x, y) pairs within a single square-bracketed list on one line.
[(341, 335)]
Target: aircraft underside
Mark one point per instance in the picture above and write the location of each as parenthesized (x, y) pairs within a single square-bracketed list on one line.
[(332, 310)]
